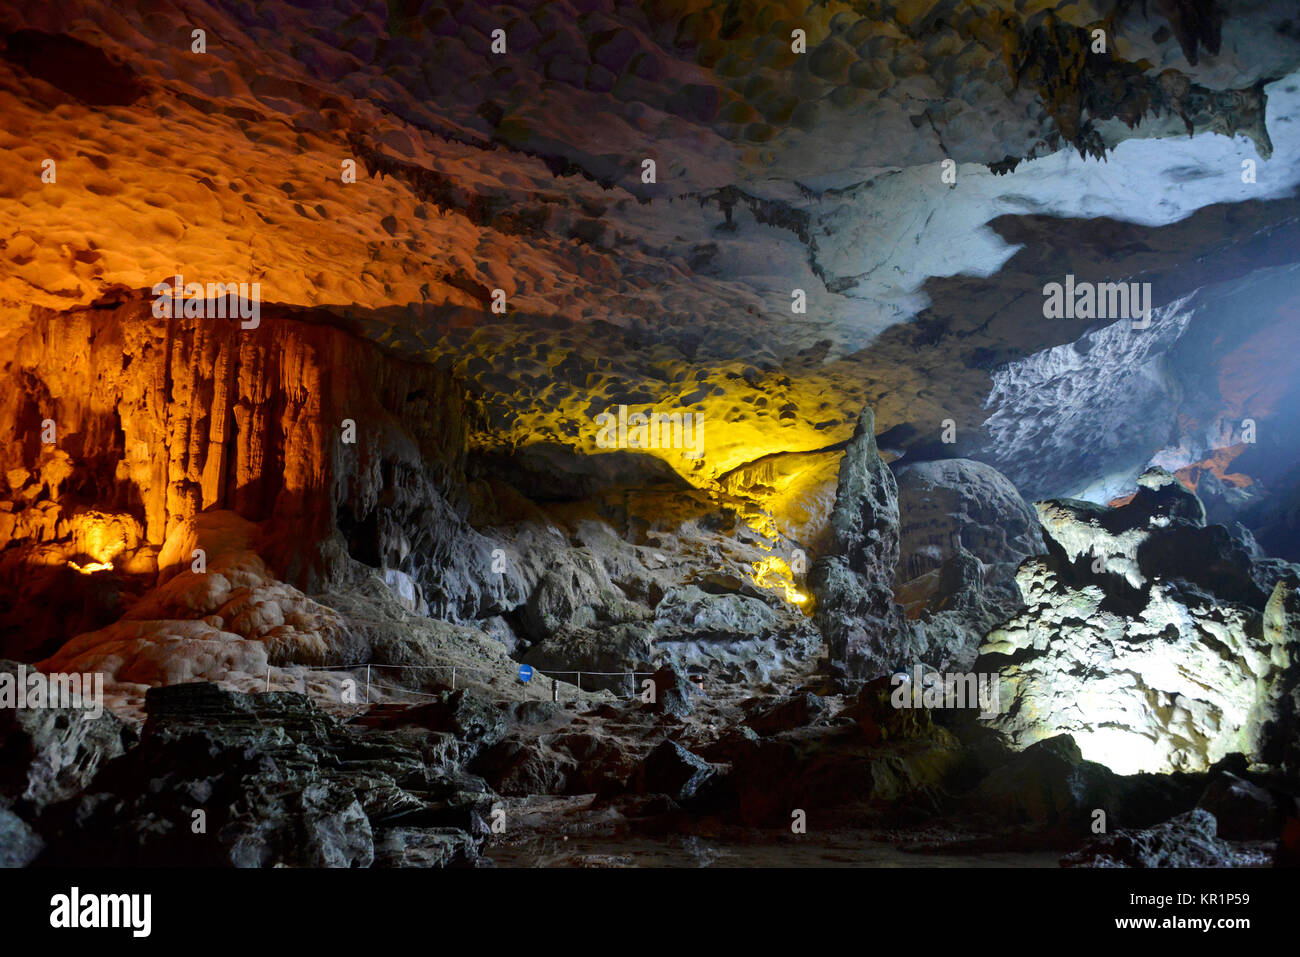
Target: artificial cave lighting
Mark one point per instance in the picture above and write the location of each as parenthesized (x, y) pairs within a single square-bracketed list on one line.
[(774, 573), (91, 567), (546, 434)]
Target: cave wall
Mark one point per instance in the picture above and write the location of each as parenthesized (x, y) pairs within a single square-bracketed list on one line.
[(156, 420)]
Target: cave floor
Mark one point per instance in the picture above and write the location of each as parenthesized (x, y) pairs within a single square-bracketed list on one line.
[(578, 832)]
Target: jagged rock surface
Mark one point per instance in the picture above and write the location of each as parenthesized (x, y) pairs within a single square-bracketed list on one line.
[(519, 176), (1144, 635), (853, 584), (52, 753), (1188, 840), (279, 782), (160, 419), (1244, 810)]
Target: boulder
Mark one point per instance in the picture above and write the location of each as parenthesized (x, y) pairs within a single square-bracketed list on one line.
[(461, 713), (674, 693), (1188, 840), (423, 847), (522, 766), (953, 505), (880, 721), (313, 826), (672, 770), (1244, 810), (20, 845), (1049, 785), (797, 711)]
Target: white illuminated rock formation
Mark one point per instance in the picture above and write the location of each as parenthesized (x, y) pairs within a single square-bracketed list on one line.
[(1144, 635)]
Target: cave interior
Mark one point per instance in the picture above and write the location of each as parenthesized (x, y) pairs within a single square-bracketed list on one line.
[(563, 433)]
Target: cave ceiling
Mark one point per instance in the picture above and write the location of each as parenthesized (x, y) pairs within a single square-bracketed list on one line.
[(775, 171)]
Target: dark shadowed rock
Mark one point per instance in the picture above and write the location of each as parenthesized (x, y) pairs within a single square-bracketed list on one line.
[(1188, 840), (19, 843), (881, 721), (1049, 784), (796, 711), (278, 782), (313, 826), (671, 769), (424, 847), (532, 712), (952, 608), (519, 767), (54, 753), (1244, 811), (461, 713), (674, 693), (1288, 845)]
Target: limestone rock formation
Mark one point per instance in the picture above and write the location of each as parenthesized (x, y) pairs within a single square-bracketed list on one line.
[(1144, 636), (853, 584), (1188, 840), (952, 504), (963, 530), (350, 458), (636, 579), (738, 638), (20, 845), (280, 783), (673, 692), (671, 769), (1049, 784), (271, 538), (952, 609), (518, 177), (53, 753), (1280, 738)]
